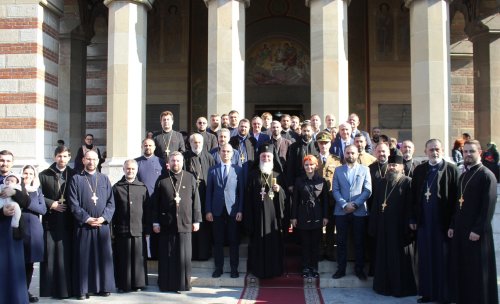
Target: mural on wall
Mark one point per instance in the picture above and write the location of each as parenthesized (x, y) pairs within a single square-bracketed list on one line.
[(278, 61)]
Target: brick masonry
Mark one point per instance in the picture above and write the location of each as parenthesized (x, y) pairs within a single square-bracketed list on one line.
[(29, 56)]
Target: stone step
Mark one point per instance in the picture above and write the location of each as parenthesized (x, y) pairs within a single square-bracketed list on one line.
[(202, 276)]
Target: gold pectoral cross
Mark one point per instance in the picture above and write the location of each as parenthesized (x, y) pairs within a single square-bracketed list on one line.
[(461, 201), (271, 194), (384, 205), (242, 157), (428, 194), (167, 151), (62, 200)]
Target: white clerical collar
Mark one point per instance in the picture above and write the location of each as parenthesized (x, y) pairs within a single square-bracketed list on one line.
[(437, 163)]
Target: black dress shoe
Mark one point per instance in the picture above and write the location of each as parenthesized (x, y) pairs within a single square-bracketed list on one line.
[(424, 300), (361, 275), (81, 297), (235, 274), (217, 273), (104, 294), (338, 274), (32, 298)]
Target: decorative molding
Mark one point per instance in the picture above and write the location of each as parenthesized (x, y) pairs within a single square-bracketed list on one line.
[(246, 2), (53, 7), (408, 2), (308, 2), (147, 3)]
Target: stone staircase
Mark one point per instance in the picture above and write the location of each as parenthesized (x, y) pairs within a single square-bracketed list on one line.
[(202, 273), (202, 270)]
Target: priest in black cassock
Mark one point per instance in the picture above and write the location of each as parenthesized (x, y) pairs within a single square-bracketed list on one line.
[(168, 140), (92, 204), (198, 161), (434, 192), (130, 221), (473, 252), (56, 273), (176, 213), (263, 215), (389, 224)]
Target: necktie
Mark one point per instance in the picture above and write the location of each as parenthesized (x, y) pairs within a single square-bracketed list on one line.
[(224, 175)]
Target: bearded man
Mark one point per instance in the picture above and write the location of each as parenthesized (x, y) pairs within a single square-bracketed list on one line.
[(264, 211), (198, 161), (389, 224)]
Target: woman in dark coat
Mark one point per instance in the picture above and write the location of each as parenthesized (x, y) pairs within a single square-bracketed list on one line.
[(310, 213), (33, 231)]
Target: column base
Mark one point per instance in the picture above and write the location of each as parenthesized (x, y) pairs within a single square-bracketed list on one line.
[(113, 168)]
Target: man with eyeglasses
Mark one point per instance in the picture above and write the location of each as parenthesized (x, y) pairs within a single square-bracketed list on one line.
[(92, 204), (209, 140)]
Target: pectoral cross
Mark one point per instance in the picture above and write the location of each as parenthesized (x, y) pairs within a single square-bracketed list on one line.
[(177, 199), (62, 200), (130, 203), (94, 198), (262, 193), (384, 205), (271, 193), (461, 201), (427, 194), (167, 151), (242, 157)]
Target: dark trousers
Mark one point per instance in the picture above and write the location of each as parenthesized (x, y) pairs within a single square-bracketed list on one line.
[(309, 241), (358, 223), (226, 224)]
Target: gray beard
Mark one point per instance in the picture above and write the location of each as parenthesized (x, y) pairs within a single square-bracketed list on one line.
[(266, 168), (197, 151)]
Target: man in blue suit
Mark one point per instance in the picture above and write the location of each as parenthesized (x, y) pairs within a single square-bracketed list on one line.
[(351, 188), (224, 205)]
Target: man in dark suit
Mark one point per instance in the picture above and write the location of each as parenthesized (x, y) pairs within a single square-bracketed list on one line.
[(354, 121), (343, 140), (224, 205), (257, 133), (280, 145)]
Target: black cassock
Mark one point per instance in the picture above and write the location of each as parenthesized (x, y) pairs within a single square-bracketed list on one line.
[(263, 221), (174, 259), (393, 273), (198, 165), (130, 220), (93, 258), (473, 262), (56, 273)]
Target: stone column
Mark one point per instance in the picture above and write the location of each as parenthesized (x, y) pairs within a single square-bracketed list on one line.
[(226, 56), (72, 84), (430, 71), (485, 36), (329, 58), (126, 100)]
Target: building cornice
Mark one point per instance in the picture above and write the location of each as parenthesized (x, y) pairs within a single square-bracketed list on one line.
[(147, 3)]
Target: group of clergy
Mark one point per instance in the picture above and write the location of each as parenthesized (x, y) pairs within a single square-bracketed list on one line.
[(429, 228)]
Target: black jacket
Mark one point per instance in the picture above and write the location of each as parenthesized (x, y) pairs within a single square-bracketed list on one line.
[(132, 210)]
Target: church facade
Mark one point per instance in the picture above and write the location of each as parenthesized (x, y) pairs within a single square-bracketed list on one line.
[(418, 69)]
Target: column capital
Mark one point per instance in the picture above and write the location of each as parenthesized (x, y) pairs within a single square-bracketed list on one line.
[(408, 2), (308, 2), (147, 3), (246, 2)]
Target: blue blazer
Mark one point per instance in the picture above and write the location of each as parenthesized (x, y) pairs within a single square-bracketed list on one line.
[(220, 191), (358, 192)]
